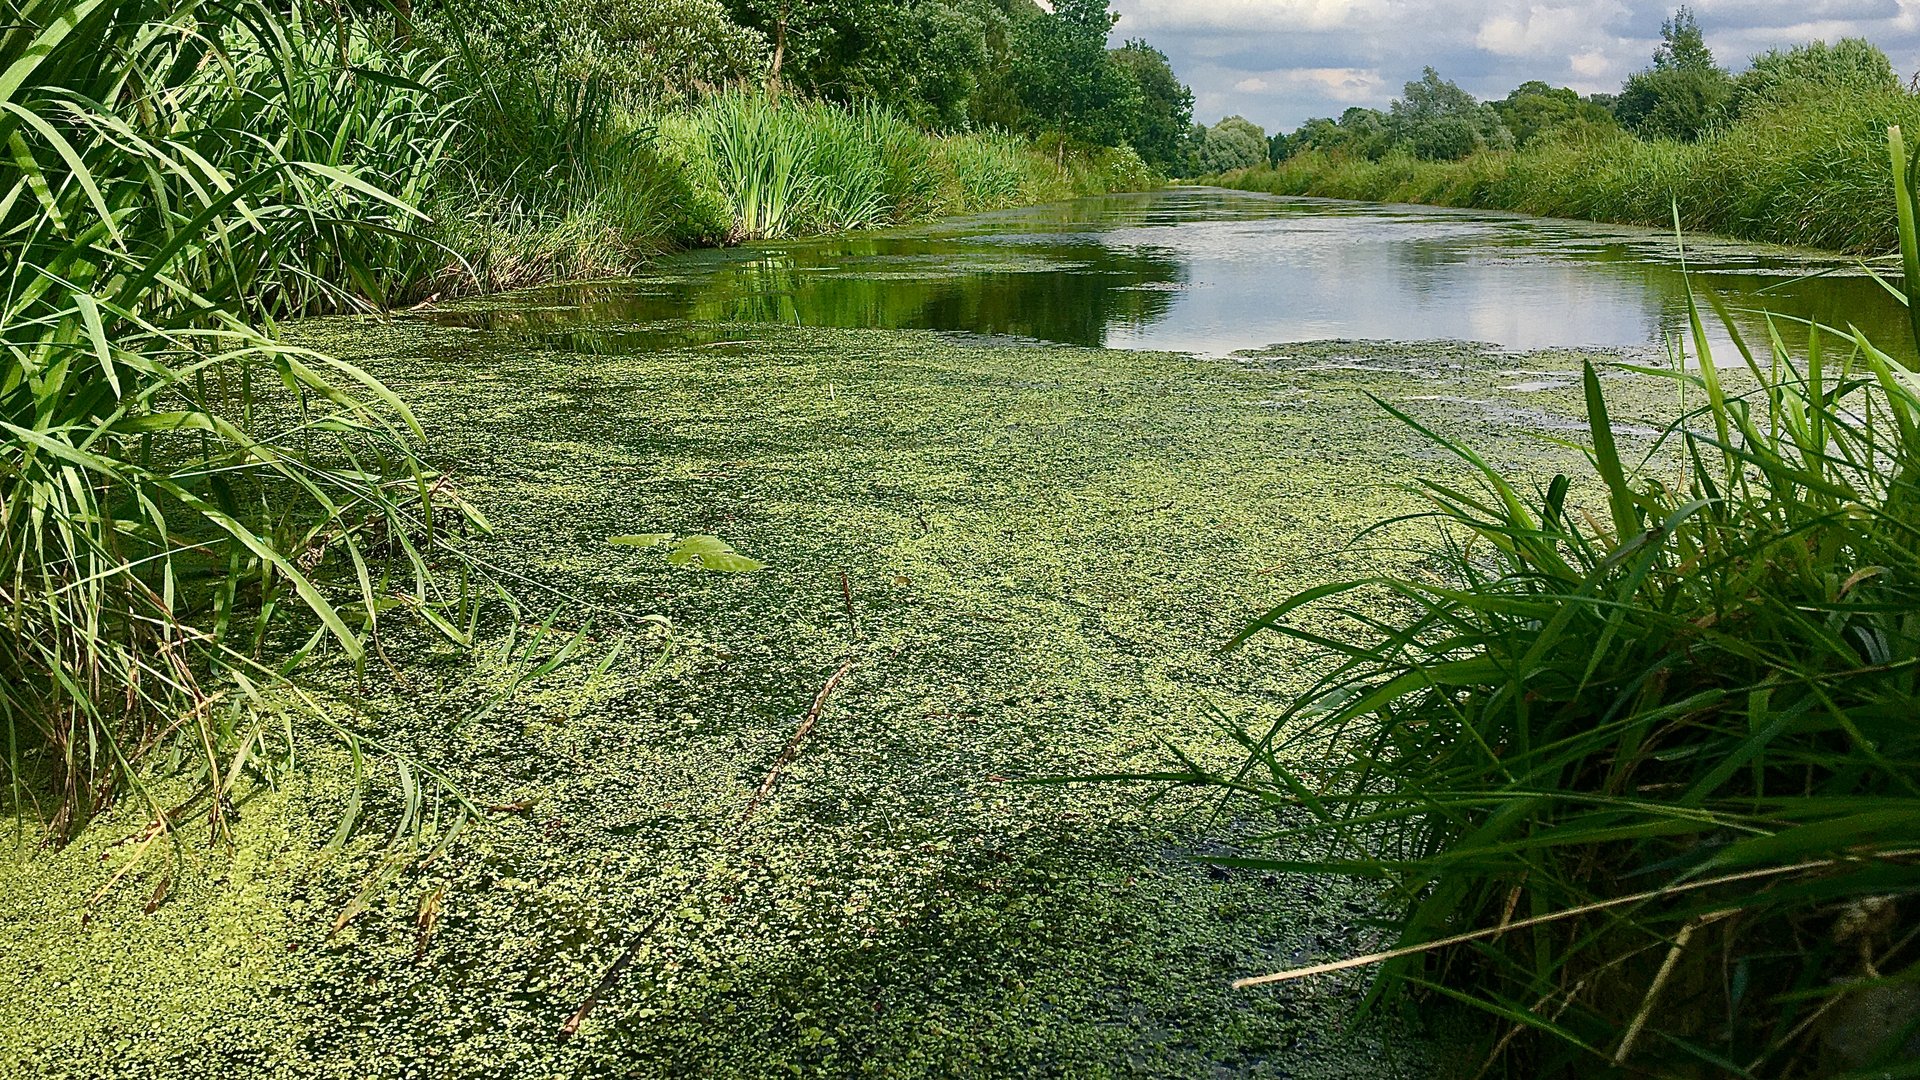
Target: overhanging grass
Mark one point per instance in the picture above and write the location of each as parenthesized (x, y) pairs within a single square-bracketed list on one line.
[(176, 488)]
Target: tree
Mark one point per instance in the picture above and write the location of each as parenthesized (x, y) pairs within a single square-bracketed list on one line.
[(935, 61), (1158, 127), (1365, 133), (1066, 80), (1682, 45), (1849, 66), (1438, 121), (1534, 111), (1683, 93), (1234, 143)]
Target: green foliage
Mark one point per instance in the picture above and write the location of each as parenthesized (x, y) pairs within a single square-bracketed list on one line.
[(639, 51), (1067, 81), (1673, 103), (935, 66), (941, 63), (1683, 93), (762, 153), (1158, 128), (176, 489), (1682, 45), (1234, 143), (1635, 753), (1801, 174), (1437, 121), (1850, 67), (1536, 111)]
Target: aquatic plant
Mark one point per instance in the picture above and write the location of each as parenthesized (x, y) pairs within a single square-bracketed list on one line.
[(180, 496), (762, 162), (1635, 756)]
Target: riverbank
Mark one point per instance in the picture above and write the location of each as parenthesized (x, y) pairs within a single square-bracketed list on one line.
[(1809, 175), (738, 167), (1043, 549)]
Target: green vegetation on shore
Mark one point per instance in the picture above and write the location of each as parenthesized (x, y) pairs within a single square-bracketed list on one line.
[(1788, 151), (1807, 174), (596, 133), (1634, 751)]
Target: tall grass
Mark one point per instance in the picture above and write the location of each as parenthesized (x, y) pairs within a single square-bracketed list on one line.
[(1639, 763), (1800, 174), (796, 167), (179, 493)]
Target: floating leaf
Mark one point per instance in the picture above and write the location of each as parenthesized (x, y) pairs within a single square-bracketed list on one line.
[(710, 553)]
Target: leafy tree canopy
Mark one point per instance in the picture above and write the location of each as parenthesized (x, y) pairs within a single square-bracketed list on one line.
[(1438, 121), (1534, 111), (1234, 143), (1158, 127), (1684, 92), (1065, 79)]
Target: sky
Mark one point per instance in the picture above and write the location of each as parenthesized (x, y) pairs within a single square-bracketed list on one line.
[(1279, 62)]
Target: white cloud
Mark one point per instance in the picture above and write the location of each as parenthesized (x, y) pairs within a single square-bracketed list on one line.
[(1590, 64), (1276, 16), (1281, 61), (1348, 86)]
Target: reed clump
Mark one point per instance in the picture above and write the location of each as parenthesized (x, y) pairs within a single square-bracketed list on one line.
[(177, 490), (1636, 761)]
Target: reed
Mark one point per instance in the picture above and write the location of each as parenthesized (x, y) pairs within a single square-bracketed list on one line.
[(181, 497), (1638, 764)]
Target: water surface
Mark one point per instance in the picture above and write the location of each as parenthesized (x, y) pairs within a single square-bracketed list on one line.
[(1210, 271)]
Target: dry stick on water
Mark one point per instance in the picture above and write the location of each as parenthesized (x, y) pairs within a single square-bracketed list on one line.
[(607, 981), (793, 745)]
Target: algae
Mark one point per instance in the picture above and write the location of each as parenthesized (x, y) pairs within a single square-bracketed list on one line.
[(1044, 549)]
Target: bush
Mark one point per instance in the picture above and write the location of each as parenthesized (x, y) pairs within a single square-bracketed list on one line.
[(1851, 67), (1683, 93), (1234, 143), (640, 52)]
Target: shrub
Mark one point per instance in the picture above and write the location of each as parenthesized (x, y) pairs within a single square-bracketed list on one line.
[(1234, 143), (1851, 67), (641, 52)]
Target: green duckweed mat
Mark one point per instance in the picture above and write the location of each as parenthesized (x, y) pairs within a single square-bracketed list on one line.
[(1022, 561)]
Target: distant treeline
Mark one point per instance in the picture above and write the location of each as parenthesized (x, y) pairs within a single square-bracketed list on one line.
[(1684, 96), (1791, 150)]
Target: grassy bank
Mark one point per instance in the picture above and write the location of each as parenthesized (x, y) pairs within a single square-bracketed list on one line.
[(738, 167), (1043, 547), (1811, 174)]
